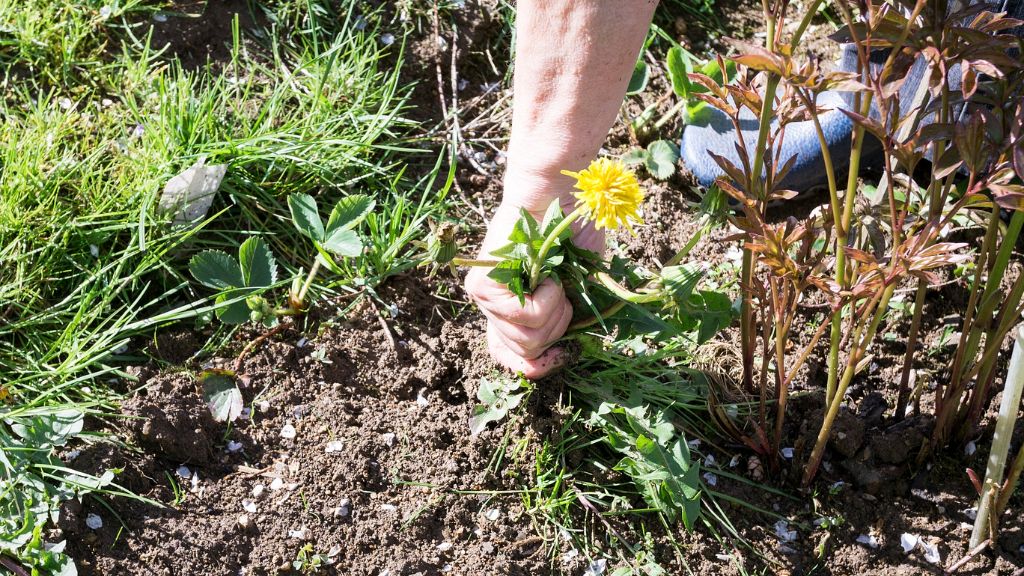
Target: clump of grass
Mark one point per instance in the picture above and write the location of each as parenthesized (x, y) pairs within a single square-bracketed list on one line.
[(97, 123)]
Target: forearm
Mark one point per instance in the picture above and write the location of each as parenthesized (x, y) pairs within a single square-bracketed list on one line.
[(573, 62)]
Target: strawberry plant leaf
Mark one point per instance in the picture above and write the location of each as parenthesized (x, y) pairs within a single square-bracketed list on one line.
[(638, 81), (234, 313), (343, 242), (223, 397), (215, 269), (349, 212), (662, 156), (634, 157), (306, 216), (50, 430), (259, 269)]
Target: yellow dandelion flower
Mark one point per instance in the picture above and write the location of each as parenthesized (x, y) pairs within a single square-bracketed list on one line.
[(610, 194)]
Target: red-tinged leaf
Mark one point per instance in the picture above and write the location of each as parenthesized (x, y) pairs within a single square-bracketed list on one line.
[(1009, 196), (968, 79), (728, 167), (1000, 24), (756, 57), (975, 481), (1018, 158), (860, 255), (949, 162), (869, 124), (716, 102)]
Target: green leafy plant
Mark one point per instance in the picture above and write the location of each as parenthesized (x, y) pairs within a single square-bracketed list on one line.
[(857, 274), (240, 282), (498, 395), (37, 482), (660, 158)]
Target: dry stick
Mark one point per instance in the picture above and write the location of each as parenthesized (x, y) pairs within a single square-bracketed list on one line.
[(13, 566), (974, 552), (256, 342)]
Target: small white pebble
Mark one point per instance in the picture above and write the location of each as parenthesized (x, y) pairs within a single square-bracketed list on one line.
[(709, 460), (909, 541), (931, 552), (570, 555), (291, 486), (333, 446), (787, 453), (183, 472), (493, 514), (387, 39), (447, 568), (243, 520), (160, 17), (72, 454), (299, 534), (121, 349), (444, 546), (711, 479), (94, 250), (263, 405), (783, 532), (65, 103), (257, 490), (970, 448), (421, 400), (389, 438), (249, 506), (288, 432), (106, 102), (868, 540), (94, 522), (234, 446), (693, 444), (388, 507), (302, 342), (971, 513), (105, 12), (596, 568), (276, 484), (734, 461), (360, 22)]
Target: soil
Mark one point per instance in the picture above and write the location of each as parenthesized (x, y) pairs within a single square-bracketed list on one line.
[(358, 444)]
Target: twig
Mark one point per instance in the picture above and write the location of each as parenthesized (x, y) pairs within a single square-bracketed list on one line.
[(256, 342), (13, 566), (977, 550), (384, 325)]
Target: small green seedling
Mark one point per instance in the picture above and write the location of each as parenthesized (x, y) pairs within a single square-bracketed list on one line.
[(498, 395), (660, 158)]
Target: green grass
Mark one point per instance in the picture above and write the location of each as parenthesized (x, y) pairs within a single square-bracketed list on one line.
[(95, 120)]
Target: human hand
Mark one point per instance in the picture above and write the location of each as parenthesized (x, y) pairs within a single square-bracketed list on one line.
[(519, 335)]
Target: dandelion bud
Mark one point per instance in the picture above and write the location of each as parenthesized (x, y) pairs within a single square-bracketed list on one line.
[(442, 246)]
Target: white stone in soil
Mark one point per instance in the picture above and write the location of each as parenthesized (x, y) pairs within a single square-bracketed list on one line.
[(344, 508), (243, 520), (711, 479), (931, 552), (971, 513), (257, 490), (493, 514), (249, 506), (421, 400), (444, 546), (597, 568), (299, 534), (94, 522), (570, 555), (970, 448), (783, 532), (388, 507), (288, 432), (234, 446), (276, 484), (183, 472), (787, 453), (868, 540), (909, 541), (333, 446), (389, 438)]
